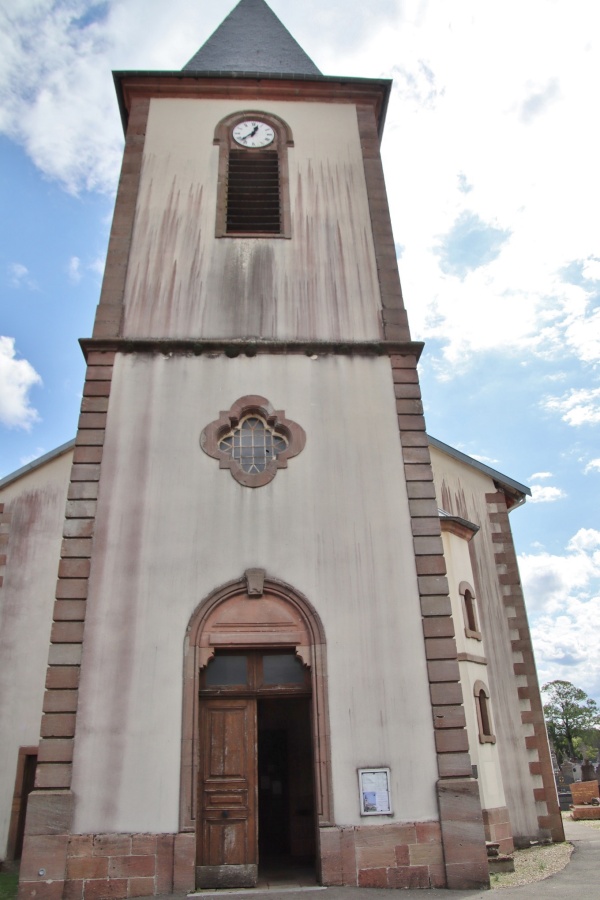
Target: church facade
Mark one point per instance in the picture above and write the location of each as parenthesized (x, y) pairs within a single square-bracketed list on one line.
[(288, 625)]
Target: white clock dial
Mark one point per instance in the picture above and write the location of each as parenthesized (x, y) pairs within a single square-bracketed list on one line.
[(253, 133)]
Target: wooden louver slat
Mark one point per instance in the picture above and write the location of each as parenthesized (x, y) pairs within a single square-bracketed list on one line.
[(253, 195)]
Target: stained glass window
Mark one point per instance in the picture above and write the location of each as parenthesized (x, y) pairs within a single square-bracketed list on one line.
[(253, 440), (253, 444)]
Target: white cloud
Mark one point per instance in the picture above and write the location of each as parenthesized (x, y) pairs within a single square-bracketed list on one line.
[(586, 540), (56, 95), (562, 592), (549, 580), (17, 377), (74, 270), (582, 336), (18, 272), (592, 466), (519, 301), (566, 650), (46, 73), (97, 265), (19, 276), (579, 406), (538, 101), (538, 476), (546, 494), (591, 269)]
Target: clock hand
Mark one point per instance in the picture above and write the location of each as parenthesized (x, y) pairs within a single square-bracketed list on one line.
[(250, 134)]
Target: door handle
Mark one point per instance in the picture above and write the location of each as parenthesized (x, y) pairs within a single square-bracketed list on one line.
[(225, 814)]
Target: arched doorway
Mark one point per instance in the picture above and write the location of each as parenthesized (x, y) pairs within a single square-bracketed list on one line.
[(255, 764)]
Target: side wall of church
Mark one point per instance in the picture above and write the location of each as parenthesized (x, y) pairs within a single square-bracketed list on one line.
[(172, 527), (472, 657), (32, 511), (183, 282), (514, 697)]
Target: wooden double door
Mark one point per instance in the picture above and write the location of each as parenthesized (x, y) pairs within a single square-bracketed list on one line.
[(256, 795)]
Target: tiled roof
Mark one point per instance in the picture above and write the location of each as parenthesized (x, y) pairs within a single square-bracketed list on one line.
[(252, 39)]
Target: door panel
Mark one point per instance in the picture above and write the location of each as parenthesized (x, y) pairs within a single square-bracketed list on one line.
[(227, 833)]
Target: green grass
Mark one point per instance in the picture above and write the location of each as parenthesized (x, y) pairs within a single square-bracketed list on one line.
[(9, 882)]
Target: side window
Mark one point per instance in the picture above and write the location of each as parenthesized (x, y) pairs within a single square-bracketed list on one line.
[(253, 182), (469, 604), (482, 708)]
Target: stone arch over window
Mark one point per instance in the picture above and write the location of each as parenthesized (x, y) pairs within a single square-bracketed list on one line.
[(253, 440), (253, 197), (254, 612), (484, 717), (470, 614)]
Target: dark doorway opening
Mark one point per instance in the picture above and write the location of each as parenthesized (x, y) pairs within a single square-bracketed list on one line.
[(286, 814), (29, 768), (24, 784)]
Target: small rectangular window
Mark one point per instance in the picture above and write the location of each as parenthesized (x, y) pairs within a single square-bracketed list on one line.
[(253, 192), (227, 670), (283, 668)]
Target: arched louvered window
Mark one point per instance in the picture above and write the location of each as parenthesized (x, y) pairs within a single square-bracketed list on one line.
[(253, 186), (253, 192)]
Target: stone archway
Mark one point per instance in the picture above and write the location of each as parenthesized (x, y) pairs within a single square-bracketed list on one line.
[(254, 612)]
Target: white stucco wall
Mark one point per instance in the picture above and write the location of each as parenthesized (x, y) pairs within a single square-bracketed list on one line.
[(183, 282), (461, 490), (34, 504), (172, 527), (484, 756)]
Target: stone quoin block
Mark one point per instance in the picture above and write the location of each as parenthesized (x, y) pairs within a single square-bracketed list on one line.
[(66, 677), (69, 610), (55, 750), (47, 852)]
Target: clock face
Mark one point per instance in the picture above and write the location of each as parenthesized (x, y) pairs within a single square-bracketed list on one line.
[(253, 133)]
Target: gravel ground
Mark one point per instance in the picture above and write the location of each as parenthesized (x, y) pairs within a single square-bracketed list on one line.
[(534, 864), (539, 862)]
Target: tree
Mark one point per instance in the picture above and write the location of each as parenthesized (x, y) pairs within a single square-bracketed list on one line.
[(572, 718)]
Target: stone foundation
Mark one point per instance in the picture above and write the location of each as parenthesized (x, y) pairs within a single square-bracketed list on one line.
[(118, 866), (384, 856), (111, 866), (497, 827)]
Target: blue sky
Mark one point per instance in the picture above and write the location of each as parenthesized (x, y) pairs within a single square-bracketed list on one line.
[(490, 156)]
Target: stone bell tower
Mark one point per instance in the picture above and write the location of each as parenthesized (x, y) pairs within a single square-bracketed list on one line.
[(252, 554)]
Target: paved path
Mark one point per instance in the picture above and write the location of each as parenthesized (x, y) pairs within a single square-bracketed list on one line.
[(579, 880)]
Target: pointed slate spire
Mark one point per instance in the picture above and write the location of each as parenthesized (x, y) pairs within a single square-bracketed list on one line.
[(252, 39)]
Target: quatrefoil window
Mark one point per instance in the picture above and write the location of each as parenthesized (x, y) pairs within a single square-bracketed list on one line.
[(253, 440), (253, 444)]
